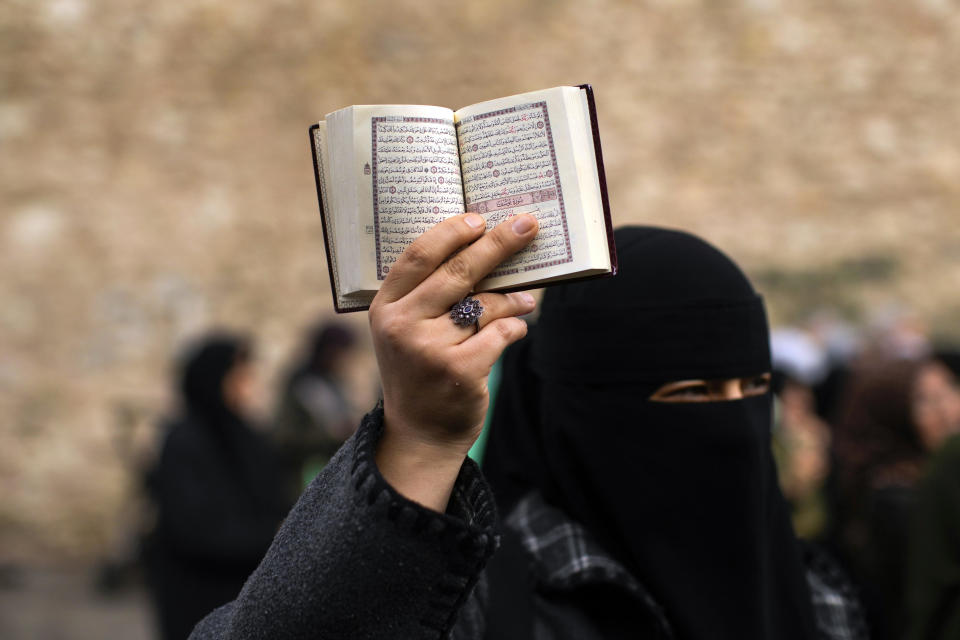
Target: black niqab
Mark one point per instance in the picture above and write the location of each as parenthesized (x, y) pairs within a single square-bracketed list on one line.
[(684, 495)]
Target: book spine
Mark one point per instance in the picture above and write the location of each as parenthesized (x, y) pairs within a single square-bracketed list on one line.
[(601, 174)]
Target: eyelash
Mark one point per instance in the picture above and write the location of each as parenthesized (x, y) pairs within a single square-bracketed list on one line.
[(691, 391), (759, 384)]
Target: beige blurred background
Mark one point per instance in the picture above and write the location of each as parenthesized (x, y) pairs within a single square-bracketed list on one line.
[(156, 180)]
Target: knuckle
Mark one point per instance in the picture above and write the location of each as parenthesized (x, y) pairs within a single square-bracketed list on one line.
[(417, 255), (501, 239), (458, 268), (392, 327), (504, 328), (496, 308), (454, 370), (517, 304), (511, 329), (486, 301), (521, 329), (422, 349)]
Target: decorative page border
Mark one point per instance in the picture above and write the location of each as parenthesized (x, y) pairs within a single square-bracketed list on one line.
[(373, 163)]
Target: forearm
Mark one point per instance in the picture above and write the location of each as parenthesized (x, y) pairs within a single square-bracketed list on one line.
[(422, 472)]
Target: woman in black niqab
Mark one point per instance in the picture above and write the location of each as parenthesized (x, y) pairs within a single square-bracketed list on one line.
[(682, 494)]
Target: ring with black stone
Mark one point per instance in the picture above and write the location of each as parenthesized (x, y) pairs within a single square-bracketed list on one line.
[(466, 312)]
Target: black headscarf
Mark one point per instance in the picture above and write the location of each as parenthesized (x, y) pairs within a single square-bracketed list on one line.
[(684, 495), (204, 370)]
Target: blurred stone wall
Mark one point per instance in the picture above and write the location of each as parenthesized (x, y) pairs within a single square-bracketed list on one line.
[(156, 180)]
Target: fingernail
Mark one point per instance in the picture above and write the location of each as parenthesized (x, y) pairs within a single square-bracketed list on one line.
[(527, 299), (522, 224), (475, 221)]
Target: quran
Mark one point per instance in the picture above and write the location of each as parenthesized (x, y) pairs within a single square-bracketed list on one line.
[(387, 173)]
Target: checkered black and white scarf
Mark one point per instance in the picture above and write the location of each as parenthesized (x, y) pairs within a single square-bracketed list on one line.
[(565, 556)]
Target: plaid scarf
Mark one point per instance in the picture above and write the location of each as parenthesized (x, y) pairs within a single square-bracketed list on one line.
[(565, 556)]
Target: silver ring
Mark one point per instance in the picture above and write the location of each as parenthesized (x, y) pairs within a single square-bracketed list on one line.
[(466, 312)]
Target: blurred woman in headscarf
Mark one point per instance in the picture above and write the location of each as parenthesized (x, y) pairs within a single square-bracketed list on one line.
[(216, 488), (890, 422)]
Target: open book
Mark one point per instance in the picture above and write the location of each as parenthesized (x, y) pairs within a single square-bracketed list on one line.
[(387, 173)]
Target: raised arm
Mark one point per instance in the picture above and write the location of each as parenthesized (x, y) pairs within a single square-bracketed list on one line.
[(391, 537), (434, 372)]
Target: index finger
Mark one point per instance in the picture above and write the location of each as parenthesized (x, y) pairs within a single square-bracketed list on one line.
[(428, 252), (458, 275)]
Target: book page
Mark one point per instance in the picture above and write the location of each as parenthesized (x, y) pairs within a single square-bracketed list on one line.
[(408, 176), (329, 220), (519, 155)]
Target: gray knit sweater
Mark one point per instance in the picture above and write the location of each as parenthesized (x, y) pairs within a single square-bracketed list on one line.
[(355, 559)]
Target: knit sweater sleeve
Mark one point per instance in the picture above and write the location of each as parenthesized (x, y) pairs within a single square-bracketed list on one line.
[(355, 559)]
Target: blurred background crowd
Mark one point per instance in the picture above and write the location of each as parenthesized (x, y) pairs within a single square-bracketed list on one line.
[(163, 262)]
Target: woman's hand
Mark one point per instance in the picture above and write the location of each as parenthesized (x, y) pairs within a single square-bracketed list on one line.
[(434, 373)]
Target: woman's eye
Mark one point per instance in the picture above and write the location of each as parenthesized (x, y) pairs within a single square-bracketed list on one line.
[(757, 386)]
